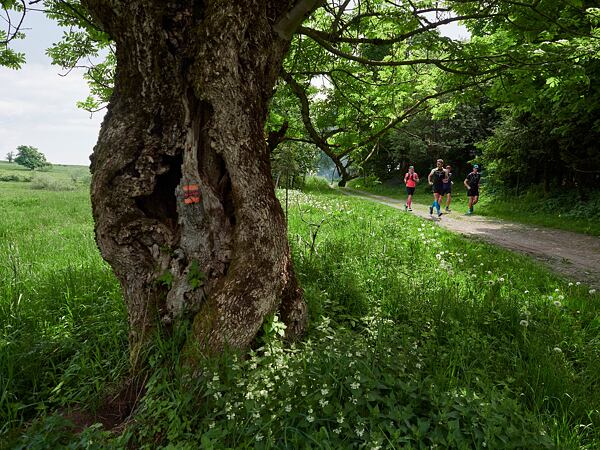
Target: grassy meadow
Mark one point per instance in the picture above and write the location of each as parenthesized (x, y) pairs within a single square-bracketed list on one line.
[(418, 338), (559, 210)]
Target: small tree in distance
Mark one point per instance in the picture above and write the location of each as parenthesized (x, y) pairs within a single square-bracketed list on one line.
[(30, 157), (10, 157)]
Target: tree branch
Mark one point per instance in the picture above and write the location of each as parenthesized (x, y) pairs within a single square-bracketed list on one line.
[(289, 23)]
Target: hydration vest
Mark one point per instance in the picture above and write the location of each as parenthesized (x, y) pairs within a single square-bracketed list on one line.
[(474, 179), (438, 177)]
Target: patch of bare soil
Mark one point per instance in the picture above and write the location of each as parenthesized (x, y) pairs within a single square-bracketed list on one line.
[(572, 254), (113, 413)]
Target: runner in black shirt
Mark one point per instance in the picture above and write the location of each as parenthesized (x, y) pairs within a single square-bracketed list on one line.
[(447, 187), (436, 179), (472, 185)]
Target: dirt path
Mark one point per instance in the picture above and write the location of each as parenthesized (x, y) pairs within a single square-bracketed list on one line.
[(572, 254)]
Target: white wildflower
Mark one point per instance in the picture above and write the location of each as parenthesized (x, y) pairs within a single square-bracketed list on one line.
[(523, 323)]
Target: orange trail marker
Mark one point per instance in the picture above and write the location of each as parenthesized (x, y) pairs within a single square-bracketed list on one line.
[(191, 194)]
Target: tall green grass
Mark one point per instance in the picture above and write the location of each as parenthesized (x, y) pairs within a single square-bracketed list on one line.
[(62, 319), (418, 338)]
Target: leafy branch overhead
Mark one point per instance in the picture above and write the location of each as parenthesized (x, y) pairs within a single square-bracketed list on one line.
[(364, 68), (358, 69)]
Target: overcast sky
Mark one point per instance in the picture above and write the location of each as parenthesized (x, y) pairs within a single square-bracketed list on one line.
[(37, 105)]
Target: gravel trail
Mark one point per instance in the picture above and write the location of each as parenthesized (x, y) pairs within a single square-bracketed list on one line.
[(572, 254)]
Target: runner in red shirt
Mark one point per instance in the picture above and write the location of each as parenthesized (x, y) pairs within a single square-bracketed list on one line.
[(410, 180)]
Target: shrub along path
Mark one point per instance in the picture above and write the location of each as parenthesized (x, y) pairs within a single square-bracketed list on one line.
[(572, 254)]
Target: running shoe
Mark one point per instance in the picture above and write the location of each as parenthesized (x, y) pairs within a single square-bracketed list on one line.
[(431, 210), (468, 213), (405, 207), (440, 214), (410, 209), (448, 210)]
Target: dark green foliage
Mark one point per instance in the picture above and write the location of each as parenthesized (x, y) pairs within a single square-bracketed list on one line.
[(195, 276), (291, 162), (30, 157), (423, 139)]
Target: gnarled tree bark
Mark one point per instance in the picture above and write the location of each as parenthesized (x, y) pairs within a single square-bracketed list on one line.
[(190, 100)]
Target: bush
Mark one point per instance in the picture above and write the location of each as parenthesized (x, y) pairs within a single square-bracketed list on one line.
[(15, 177), (81, 176), (367, 182), (41, 182)]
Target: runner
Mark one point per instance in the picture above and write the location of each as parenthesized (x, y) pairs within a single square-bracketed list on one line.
[(410, 180), (438, 174), (447, 187), (472, 185)]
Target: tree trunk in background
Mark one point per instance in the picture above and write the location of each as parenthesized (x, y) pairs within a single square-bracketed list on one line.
[(185, 123), (546, 178)]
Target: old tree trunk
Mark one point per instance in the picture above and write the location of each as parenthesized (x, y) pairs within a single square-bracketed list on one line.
[(190, 99)]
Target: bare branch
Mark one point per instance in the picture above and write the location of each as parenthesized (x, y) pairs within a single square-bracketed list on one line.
[(13, 31), (289, 23)]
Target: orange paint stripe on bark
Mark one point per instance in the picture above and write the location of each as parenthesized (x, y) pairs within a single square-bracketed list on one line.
[(190, 200), (191, 187)]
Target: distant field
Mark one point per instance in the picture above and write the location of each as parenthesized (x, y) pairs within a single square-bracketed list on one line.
[(57, 177)]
